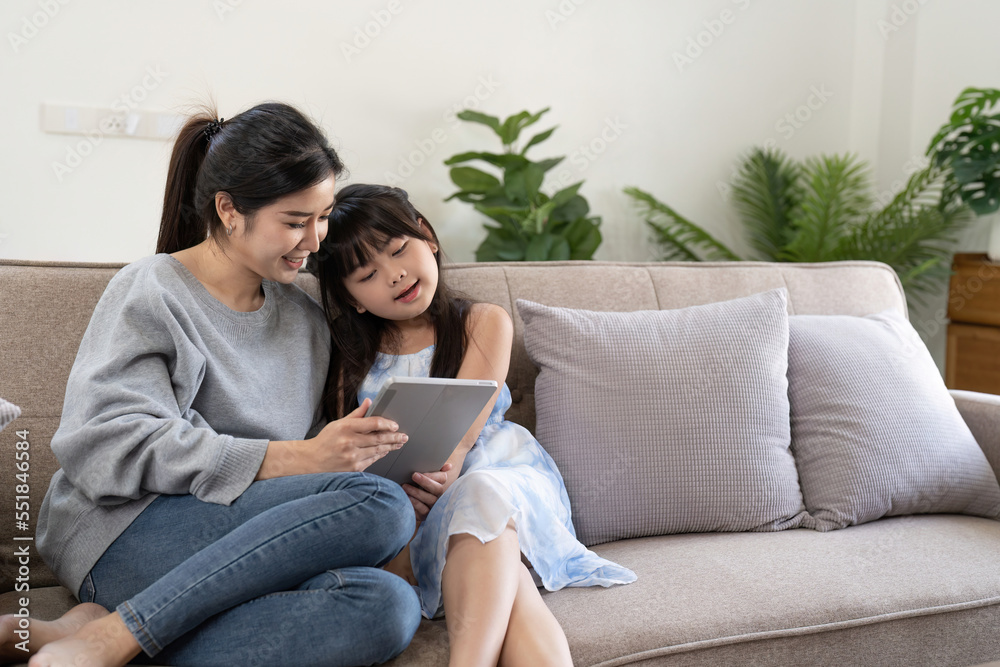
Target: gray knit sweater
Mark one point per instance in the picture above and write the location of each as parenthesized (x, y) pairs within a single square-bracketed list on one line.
[(172, 392)]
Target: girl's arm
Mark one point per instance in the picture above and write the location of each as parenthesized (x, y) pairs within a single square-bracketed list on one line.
[(487, 357)]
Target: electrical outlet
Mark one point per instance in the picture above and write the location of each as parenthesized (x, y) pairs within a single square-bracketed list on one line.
[(137, 124)]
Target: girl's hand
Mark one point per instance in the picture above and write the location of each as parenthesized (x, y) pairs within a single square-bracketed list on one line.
[(354, 442), (426, 489)]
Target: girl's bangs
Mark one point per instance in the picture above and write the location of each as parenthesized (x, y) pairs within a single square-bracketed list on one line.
[(354, 238)]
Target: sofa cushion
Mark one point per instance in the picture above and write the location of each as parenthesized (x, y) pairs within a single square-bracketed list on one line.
[(667, 421), (8, 413), (874, 430), (914, 590)]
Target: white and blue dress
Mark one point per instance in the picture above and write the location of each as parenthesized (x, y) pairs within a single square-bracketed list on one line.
[(506, 475)]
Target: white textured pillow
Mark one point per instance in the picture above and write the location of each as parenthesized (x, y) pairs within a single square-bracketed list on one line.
[(874, 430), (668, 421), (8, 413)]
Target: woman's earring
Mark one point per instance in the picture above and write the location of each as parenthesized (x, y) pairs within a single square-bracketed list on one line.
[(434, 248), (229, 232), (360, 309)]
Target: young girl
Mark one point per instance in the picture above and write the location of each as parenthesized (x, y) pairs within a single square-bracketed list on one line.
[(500, 494), (205, 512)]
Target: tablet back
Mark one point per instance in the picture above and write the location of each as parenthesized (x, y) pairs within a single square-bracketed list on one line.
[(435, 413)]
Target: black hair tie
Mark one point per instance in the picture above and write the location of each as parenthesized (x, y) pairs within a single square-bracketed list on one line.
[(213, 128)]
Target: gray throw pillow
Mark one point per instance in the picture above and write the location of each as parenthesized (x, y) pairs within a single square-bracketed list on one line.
[(668, 421), (874, 430), (8, 413)]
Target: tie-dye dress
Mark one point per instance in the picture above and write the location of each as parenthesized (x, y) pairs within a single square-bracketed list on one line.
[(506, 475)]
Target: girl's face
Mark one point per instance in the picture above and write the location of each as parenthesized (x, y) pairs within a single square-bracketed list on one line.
[(284, 233), (399, 281)]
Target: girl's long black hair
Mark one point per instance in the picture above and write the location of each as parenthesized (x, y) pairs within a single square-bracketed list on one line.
[(364, 219)]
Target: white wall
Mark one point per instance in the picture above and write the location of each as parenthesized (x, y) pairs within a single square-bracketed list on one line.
[(680, 128)]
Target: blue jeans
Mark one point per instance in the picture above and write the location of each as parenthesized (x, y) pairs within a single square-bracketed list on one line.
[(286, 575)]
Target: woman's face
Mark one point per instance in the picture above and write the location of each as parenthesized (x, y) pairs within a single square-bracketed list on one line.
[(284, 233)]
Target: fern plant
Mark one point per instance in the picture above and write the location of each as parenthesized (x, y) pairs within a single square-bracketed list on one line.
[(823, 210)]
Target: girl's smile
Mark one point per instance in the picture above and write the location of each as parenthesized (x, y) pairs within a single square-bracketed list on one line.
[(398, 282), (410, 293)]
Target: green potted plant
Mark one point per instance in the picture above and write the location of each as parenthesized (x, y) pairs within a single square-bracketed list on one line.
[(530, 225), (823, 209), (968, 148)]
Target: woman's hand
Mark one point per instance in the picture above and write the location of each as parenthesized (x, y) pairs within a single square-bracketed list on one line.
[(426, 489), (349, 444)]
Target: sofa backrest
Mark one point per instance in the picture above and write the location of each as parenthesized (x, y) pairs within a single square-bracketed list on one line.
[(45, 308), (839, 288)]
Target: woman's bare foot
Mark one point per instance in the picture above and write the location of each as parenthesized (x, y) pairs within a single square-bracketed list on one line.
[(14, 639), (401, 566), (104, 642)]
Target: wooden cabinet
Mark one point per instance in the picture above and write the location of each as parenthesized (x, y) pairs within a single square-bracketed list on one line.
[(973, 354)]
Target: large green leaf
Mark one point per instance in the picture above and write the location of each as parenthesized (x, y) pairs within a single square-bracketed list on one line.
[(521, 185), (563, 196), (505, 215), (512, 126), (974, 157), (973, 102), (471, 179), (545, 246), (549, 163), (476, 117), (678, 237), (764, 194), (502, 160), (500, 247), (574, 209), (538, 219), (583, 237), (537, 139), (836, 195)]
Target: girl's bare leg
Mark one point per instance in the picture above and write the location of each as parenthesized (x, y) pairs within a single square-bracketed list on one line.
[(479, 584), (104, 642), (534, 636), (40, 633)]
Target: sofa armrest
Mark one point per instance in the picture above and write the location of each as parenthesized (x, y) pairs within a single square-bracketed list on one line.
[(982, 413)]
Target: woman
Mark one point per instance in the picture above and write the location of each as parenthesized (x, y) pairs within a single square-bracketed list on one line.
[(202, 496)]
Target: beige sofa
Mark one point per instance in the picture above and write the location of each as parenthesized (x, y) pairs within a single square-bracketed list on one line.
[(915, 590)]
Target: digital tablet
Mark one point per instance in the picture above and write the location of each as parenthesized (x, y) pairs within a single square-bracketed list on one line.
[(435, 414)]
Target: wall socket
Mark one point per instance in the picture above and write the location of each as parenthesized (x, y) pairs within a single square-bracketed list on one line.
[(108, 122)]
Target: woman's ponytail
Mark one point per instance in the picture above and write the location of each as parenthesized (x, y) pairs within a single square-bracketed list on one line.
[(255, 157), (181, 224)]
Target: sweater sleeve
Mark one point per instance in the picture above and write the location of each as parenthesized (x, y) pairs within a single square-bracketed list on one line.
[(127, 427)]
